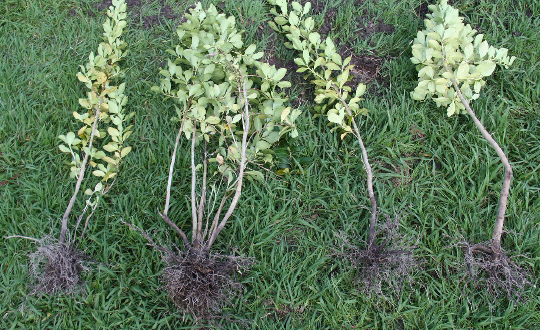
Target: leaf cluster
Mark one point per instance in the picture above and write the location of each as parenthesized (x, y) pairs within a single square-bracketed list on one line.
[(211, 76), (104, 104), (320, 59), (449, 50)]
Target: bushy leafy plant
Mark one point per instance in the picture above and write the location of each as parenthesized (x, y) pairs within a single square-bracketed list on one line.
[(329, 73), (452, 64), (448, 51), (339, 103), (57, 263), (104, 115), (231, 108)]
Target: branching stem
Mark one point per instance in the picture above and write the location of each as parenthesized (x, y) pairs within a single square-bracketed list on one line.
[(369, 171), (65, 218), (243, 160), (171, 167), (505, 191)]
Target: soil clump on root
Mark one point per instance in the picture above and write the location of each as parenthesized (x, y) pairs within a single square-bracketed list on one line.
[(202, 283), (56, 268), (386, 265), (503, 275)]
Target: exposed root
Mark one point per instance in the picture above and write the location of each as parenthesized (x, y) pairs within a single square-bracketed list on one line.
[(387, 264), (502, 274), (201, 283), (56, 268), (198, 282)]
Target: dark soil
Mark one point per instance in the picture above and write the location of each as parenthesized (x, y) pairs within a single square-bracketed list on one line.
[(134, 9)]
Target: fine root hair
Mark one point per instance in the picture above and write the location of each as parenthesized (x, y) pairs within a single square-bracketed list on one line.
[(385, 265), (495, 271), (198, 282), (56, 268), (202, 283)]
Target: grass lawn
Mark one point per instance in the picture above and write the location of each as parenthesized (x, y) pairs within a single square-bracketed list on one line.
[(439, 169)]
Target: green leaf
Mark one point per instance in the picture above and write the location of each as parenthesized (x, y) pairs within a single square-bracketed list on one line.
[(279, 74), (113, 131), (213, 120), (451, 109), (262, 145), (281, 20), (307, 8), (285, 113), (99, 173), (360, 90), (297, 6), (125, 151), (194, 41), (110, 147), (70, 138), (113, 107), (251, 49), (84, 103), (258, 176), (333, 117), (486, 68), (483, 48), (319, 98), (293, 19), (314, 38), (462, 71), (284, 84), (65, 149)]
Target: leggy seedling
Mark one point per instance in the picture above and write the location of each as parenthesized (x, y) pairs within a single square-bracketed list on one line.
[(339, 103), (452, 64), (56, 265), (231, 111)]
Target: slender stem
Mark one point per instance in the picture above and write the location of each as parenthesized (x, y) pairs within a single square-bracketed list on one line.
[(202, 201), (65, 218), (175, 227), (218, 213), (25, 237), (243, 159), (171, 167), (193, 186), (369, 171), (86, 222), (505, 191)]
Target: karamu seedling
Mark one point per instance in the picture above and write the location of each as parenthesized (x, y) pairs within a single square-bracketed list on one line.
[(329, 72), (453, 62), (100, 143), (230, 109)]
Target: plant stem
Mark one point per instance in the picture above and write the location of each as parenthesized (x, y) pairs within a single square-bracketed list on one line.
[(175, 227), (65, 218), (202, 201), (193, 186), (171, 167), (243, 158), (505, 191), (369, 172)]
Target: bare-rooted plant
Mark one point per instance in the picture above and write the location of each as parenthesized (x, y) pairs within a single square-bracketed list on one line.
[(386, 268), (57, 263), (452, 64), (336, 100), (231, 111)]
